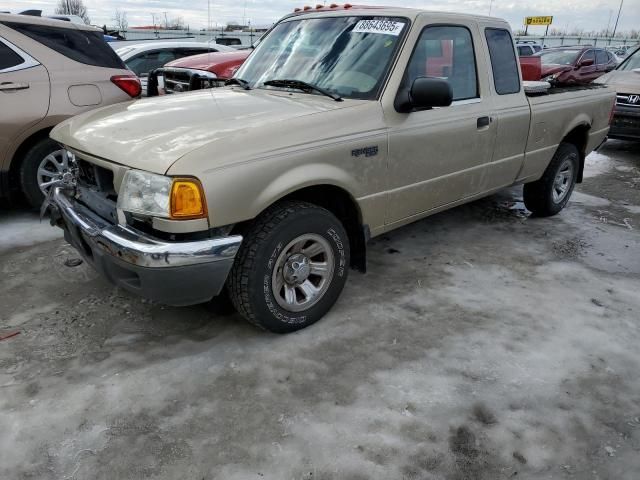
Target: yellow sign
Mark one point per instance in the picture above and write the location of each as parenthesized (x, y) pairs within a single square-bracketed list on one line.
[(538, 20)]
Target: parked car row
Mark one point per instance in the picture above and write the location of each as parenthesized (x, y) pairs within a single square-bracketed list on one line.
[(143, 58)]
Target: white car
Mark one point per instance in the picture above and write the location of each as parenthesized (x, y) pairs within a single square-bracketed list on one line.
[(141, 58)]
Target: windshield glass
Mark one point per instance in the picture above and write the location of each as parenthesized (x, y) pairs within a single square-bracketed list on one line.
[(559, 57), (632, 62), (347, 56)]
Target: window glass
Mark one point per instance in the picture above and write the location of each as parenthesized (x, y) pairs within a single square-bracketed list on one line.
[(523, 51), (559, 57), (601, 57), (446, 52), (8, 58), (83, 46), (348, 56), (632, 61), (188, 52), (589, 55), (503, 61), (145, 62)]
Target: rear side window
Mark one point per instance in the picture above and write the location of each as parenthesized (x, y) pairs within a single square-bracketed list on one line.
[(601, 57), (503, 61), (80, 45), (8, 58)]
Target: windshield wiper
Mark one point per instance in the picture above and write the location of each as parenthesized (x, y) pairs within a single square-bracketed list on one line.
[(238, 81), (300, 85)]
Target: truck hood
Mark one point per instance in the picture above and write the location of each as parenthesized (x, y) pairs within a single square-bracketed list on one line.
[(624, 81), (151, 134)]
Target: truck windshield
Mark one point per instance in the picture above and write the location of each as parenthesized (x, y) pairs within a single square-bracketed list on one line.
[(347, 56), (633, 62), (559, 57)]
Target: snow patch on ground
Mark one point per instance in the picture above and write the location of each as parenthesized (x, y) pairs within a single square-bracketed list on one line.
[(589, 200), (23, 229), (597, 164)]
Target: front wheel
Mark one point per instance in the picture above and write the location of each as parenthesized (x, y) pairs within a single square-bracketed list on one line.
[(44, 163), (550, 194), (291, 268)]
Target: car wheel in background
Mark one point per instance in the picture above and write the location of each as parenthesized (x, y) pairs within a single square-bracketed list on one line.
[(291, 268), (43, 163), (549, 195)]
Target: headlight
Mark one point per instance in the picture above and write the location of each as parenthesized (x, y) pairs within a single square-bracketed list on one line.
[(159, 196), (550, 78), (145, 193)]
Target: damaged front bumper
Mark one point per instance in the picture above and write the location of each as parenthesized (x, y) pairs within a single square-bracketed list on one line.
[(172, 273)]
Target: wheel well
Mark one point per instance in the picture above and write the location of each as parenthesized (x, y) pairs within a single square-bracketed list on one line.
[(18, 156), (345, 208), (579, 137)]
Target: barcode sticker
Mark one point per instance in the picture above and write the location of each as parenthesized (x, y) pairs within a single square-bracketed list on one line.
[(385, 27)]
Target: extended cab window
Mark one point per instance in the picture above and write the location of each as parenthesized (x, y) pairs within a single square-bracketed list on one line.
[(506, 77), (8, 58), (83, 46), (446, 52)]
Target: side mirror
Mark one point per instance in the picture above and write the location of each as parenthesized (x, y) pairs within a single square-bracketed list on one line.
[(424, 93), (587, 62)]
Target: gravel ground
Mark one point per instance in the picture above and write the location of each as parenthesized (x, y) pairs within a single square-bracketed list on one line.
[(481, 344)]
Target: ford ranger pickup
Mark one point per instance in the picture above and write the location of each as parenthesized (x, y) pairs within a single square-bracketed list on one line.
[(343, 124)]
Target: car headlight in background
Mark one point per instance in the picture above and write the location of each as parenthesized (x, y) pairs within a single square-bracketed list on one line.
[(155, 195)]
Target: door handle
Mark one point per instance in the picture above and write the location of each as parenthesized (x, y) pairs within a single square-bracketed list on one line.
[(484, 122), (9, 86)]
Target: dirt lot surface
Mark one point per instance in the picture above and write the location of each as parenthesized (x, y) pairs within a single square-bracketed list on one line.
[(482, 344)]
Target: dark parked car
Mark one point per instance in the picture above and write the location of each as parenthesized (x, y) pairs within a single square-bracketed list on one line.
[(575, 65), (626, 80)]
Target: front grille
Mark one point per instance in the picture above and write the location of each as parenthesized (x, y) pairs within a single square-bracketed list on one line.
[(96, 191), (178, 80), (628, 99), (96, 177)]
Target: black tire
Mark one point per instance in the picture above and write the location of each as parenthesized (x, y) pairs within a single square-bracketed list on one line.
[(250, 281), (539, 195), (29, 170)]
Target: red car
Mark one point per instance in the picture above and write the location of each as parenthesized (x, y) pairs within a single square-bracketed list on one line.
[(193, 73), (575, 65)]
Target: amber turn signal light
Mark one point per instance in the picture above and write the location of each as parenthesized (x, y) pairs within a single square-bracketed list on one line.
[(187, 199)]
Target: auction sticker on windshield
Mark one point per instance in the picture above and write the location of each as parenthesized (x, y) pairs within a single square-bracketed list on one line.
[(386, 27)]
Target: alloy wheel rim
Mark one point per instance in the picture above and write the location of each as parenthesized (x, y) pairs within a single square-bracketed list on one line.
[(303, 272), (563, 181), (52, 169)]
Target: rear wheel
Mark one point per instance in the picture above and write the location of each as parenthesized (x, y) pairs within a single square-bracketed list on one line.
[(43, 163), (549, 195), (291, 268)]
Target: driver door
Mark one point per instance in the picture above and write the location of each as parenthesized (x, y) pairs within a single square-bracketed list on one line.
[(439, 156)]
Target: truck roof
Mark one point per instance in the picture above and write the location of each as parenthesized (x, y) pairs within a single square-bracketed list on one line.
[(411, 13)]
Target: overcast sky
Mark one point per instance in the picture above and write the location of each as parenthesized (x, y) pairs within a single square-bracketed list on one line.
[(584, 14)]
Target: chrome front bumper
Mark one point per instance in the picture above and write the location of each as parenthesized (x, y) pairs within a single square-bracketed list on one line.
[(173, 273)]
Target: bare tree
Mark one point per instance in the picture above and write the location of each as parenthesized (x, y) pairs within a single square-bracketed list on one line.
[(120, 20), (176, 23), (73, 7)]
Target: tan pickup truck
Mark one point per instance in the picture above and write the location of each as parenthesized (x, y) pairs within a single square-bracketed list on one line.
[(343, 124)]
